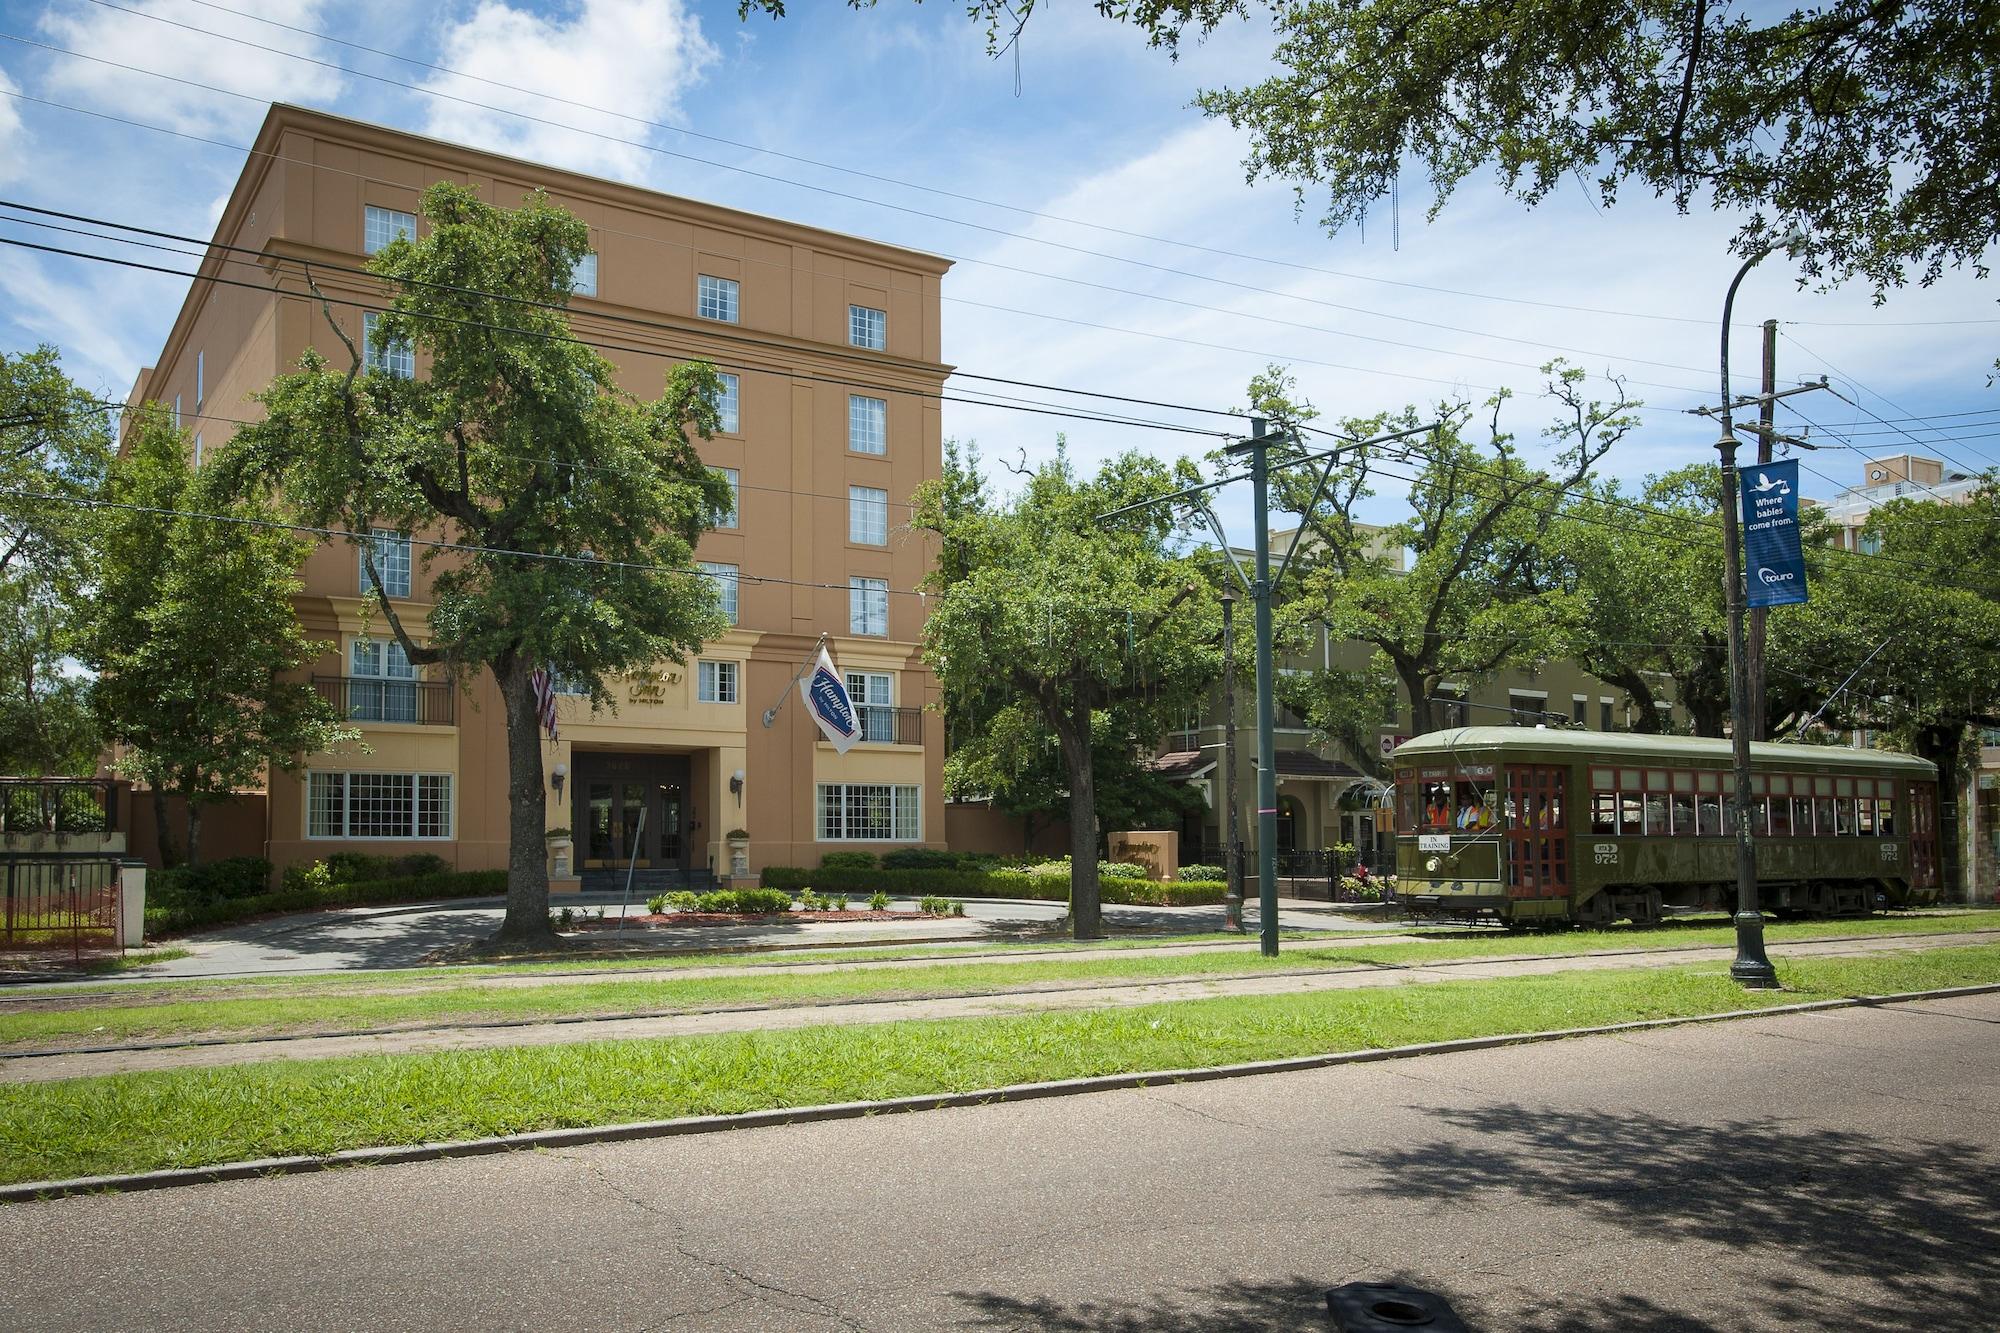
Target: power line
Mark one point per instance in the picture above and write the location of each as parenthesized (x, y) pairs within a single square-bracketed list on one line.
[(1862, 388)]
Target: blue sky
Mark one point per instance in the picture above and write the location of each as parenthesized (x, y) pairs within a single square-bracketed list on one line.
[(1100, 130)]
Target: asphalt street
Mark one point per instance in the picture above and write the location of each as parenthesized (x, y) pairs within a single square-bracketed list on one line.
[(1834, 1170)]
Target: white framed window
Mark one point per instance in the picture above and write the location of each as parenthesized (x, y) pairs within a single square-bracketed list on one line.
[(868, 327), (867, 424), (383, 225), (727, 401), (725, 577), (716, 298), (392, 562), (574, 687), (200, 380), (197, 448), (874, 696), (395, 357), (177, 411), (714, 682), (378, 805), (382, 685), (868, 606), (583, 277), (869, 812), (867, 515), (730, 518)]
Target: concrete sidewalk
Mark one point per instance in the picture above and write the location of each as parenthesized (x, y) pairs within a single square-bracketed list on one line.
[(24, 1068)]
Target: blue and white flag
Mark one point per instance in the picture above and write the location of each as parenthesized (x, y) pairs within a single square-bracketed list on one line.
[(1774, 566), (826, 699)]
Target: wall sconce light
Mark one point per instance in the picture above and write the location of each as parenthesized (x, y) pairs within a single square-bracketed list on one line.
[(557, 776), (736, 785)]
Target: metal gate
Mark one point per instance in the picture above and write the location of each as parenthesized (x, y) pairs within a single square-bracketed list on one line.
[(1537, 831), (63, 904)]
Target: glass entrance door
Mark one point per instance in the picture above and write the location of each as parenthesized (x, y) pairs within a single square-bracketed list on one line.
[(619, 824), (631, 806)]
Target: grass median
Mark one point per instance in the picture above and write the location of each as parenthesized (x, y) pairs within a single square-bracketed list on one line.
[(404, 1002), (138, 1122)]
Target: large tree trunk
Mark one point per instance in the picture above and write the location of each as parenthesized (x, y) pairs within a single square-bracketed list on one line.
[(161, 829), (1085, 912), (527, 920), (1422, 711), (1634, 685), (193, 830)]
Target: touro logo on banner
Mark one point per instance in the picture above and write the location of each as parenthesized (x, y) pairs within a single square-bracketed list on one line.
[(1774, 566), (826, 699)]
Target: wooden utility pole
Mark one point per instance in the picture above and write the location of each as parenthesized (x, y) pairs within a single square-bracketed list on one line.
[(1767, 428)]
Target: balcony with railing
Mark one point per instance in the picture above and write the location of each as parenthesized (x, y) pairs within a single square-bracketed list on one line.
[(423, 703), (882, 725)]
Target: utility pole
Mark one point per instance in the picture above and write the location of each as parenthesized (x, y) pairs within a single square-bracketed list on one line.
[(1767, 428), (1232, 835), (1258, 446)]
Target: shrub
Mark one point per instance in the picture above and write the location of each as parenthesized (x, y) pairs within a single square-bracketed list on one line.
[(1119, 870), (848, 861), (958, 907), (684, 900), (749, 902), (993, 884), (808, 901), (657, 904), (838, 902), (878, 901), (936, 858), (1364, 890), (1204, 872), (231, 878), (315, 891), (934, 906)]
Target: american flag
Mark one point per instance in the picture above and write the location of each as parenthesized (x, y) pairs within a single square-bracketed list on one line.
[(545, 698)]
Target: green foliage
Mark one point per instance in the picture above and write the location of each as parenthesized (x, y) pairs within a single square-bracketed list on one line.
[(518, 438), (934, 858), (808, 900), (934, 906), (990, 884), (193, 633), (684, 900), (878, 901), (848, 860), (355, 867), (656, 905), (749, 902), (306, 897), (1199, 871), (233, 877), (54, 441)]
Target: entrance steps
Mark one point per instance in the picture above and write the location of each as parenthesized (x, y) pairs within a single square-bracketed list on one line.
[(648, 881)]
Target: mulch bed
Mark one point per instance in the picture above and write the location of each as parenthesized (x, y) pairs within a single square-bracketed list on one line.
[(748, 919)]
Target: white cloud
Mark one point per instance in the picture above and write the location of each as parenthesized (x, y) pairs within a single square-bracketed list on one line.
[(13, 137), (145, 43), (640, 55)]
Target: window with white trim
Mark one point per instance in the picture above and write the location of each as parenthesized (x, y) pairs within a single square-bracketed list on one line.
[(868, 515), (392, 562), (873, 694), (197, 448), (869, 812), (177, 411), (383, 225), (868, 327), (395, 357), (727, 400), (868, 606), (867, 424), (382, 685), (200, 379), (725, 577), (715, 682), (716, 298), (583, 275), (574, 687), (729, 518), (378, 805)]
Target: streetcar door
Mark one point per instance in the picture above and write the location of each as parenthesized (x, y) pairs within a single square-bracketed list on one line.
[(1537, 832), (1923, 836)]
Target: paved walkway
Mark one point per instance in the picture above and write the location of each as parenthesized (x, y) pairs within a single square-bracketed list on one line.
[(1053, 996)]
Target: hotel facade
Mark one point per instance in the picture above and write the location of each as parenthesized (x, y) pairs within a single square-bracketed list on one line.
[(829, 349)]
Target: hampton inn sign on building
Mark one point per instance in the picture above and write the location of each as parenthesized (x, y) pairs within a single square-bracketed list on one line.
[(828, 347)]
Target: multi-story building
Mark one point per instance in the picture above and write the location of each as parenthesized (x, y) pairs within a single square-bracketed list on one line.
[(829, 350)]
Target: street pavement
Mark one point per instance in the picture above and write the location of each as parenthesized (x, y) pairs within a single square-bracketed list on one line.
[(1832, 1170), (396, 937)]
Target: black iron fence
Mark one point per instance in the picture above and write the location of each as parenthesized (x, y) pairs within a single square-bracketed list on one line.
[(426, 703), (882, 725), (58, 805), (1313, 873), (66, 904)]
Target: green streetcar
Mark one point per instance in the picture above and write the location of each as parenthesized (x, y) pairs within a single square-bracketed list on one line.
[(1543, 827)]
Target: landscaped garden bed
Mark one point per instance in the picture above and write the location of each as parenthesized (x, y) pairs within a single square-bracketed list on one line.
[(752, 907)]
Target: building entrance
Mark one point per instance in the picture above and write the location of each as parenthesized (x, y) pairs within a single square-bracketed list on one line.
[(631, 804)]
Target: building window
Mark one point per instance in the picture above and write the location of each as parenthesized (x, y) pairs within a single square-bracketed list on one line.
[(583, 277), (867, 327), (1527, 710), (177, 411), (715, 682), (725, 586), (1452, 711), (200, 380), (873, 693), (1579, 709), (869, 812), (867, 516), (726, 400), (868, 606), (383, 684), (378, 805), (197, 448), (728, 518), (395, 357), (716, 298), (1870, 543), (392, 562), (383, 225), (575, 687), (1604, 715), (867, 424)]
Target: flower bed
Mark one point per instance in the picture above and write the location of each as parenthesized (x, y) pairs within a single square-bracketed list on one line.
[(660, 920)]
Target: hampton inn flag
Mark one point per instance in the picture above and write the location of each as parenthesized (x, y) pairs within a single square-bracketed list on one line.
[(826, 699)]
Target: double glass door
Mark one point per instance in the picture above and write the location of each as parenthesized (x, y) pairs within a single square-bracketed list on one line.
[(640, 814)]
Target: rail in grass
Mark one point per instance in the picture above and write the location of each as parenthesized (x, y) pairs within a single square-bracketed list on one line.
[(1532, 826)]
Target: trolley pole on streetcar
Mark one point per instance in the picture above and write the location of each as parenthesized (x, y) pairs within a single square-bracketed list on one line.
[(1752, 967)]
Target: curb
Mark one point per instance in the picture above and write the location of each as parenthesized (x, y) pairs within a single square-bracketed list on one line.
[(800, 1115)]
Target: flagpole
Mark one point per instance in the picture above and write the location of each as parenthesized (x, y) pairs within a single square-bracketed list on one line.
[(812, 658)]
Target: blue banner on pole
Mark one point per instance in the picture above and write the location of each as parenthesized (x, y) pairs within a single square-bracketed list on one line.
[(1774, 566)]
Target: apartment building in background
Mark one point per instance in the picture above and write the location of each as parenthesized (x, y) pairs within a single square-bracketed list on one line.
[(829, 349)]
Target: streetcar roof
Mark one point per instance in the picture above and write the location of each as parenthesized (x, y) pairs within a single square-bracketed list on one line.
[(1626, 747)]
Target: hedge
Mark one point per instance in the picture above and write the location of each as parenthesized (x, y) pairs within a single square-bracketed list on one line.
[(417, 888), (990, 884)]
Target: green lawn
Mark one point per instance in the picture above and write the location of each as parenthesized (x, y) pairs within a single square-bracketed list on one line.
[(398, 1000), (198, 1117)]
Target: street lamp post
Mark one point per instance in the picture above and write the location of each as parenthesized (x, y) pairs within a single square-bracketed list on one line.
[(1752, 967)]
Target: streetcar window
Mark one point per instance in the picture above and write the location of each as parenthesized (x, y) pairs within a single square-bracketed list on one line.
[(1708, 813), (1802, 823), (1603, 812), (1628, 813), (1843, 816), (1437, 805), (1684, 810), (1885, 817), (1656, 804), (1864, 816), (1760, 817), (1473, 806), (1823, 816), (1781, 816)]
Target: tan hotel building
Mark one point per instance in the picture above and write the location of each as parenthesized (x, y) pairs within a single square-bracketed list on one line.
[(829, 345)]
